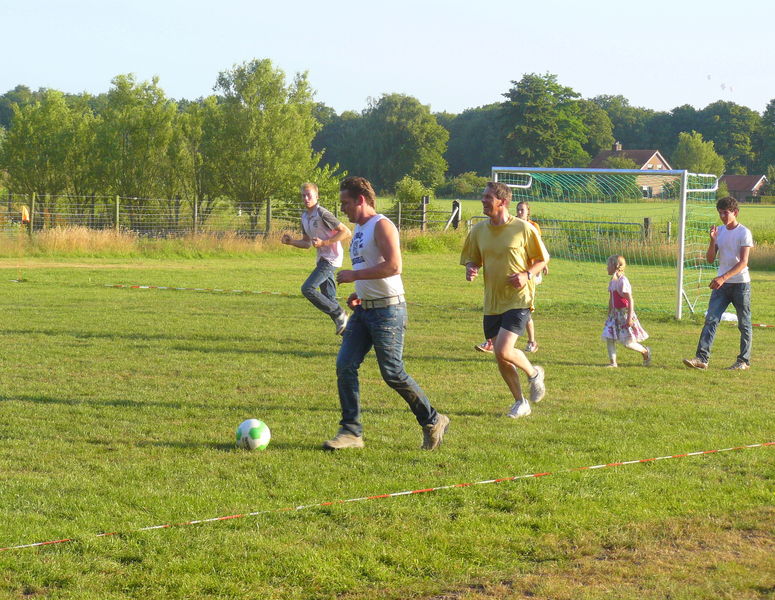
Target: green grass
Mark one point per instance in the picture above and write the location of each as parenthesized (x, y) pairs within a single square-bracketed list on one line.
[(118, 411)]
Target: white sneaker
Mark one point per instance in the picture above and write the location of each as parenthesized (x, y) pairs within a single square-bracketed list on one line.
[(341, 323), (537, 387), (521, 408)]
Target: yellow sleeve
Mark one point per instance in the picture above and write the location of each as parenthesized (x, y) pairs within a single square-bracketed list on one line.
[(471, 252), (535, 247)]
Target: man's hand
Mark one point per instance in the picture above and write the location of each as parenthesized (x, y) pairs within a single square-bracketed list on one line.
[(471, 272), (714, 234), (345, 276), (716, 282), (286, 239), (353, 301), (317, 242), (518, 280)]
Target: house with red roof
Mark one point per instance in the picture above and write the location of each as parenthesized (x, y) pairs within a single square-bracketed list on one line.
[(645, 160), (744, 187)]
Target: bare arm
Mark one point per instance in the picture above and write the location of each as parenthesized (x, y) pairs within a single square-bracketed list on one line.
[(717, 282), (386, 238), (342, 233), (304, 242), (472, 270), (519, 280), (710, 253)]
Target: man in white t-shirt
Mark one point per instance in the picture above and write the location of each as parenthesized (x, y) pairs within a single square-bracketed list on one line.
[(323, 231), (378, 320), (732, 285)]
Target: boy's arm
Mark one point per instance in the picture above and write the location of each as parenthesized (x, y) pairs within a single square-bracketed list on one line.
[(304, 242), (741, 264), (342, 233), (710, 253)]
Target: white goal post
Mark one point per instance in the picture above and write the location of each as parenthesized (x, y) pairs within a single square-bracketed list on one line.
[(658, 218)]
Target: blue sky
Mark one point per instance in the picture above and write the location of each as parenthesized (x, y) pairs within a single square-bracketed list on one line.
[(452, 54)]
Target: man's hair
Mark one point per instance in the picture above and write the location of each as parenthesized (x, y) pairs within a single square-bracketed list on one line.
[(358, 186), (727, 203), (309, 186), (500, 190)]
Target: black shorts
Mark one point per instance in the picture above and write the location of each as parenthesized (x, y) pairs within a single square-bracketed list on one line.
[(514, 320)]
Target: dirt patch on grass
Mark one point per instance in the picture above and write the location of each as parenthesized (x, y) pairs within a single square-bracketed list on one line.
[(727, 556)]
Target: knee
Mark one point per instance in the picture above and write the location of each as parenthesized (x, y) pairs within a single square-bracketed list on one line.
[(307, 291), (393, 376)]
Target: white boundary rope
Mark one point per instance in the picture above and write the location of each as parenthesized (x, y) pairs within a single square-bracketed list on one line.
[(391, 495)]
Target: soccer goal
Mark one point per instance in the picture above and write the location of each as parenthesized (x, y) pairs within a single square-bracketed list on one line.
[(658, 220)]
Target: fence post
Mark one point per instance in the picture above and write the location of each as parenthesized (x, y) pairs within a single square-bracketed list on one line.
[(456, 210), (424, 218), (196, 215), (669, 230), (32, 212), (647, 228), (268, 218), (398, 218), (117, 212)]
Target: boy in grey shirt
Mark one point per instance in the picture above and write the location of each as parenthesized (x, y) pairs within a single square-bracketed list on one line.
[(323, 231)]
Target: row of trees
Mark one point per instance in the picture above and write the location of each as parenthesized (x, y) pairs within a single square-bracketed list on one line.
[(540, 123), (260, 135), (250, 143)]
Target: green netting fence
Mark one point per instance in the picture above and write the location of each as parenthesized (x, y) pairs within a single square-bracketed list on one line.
[(656, 219)]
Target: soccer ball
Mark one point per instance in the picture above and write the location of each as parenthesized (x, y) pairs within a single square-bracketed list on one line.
[(253, 435)]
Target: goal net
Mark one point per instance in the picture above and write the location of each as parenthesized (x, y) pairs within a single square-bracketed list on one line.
[(658, 220)]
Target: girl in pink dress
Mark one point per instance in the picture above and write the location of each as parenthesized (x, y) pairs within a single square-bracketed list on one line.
[(622, 324)]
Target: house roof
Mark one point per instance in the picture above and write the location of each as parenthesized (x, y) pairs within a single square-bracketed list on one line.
[(639, 157), (743, 183)]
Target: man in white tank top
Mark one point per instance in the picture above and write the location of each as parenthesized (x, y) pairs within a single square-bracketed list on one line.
[(732, 285), (378, 320)]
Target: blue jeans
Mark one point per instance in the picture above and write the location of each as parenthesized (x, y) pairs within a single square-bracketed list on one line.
[(382, 328), (739, 295), (325, 300)]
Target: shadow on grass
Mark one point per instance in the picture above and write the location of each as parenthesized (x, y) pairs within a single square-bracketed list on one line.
[(258, 407)]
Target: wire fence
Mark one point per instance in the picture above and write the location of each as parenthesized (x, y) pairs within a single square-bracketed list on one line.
[(174, 217)]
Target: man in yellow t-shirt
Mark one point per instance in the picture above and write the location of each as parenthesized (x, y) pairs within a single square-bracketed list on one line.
[(512, 254)]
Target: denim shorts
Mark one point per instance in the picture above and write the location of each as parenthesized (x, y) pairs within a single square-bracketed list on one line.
[(514, 320)]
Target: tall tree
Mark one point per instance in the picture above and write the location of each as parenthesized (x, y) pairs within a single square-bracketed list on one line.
[(268, 126), (200, 126), (133, 138), (20, 96), (733, 128), (543, 124), (696, 155), (631, 123), (599, 127), (475, 139), (400, 137), (766, 140), (36, 148)]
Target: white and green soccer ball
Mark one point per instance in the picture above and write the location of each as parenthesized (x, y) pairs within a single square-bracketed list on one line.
[(253, 435)]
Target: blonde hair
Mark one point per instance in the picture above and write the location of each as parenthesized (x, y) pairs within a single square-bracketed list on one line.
[(309, 186), (621, 264)]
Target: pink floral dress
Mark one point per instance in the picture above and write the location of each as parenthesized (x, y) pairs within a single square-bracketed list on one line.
[(615, 327)]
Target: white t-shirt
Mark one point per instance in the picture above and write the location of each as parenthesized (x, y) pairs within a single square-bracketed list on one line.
[(729, 243), (320, 223), (365, 253)]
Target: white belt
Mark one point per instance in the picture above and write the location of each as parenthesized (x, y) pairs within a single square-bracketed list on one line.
[(382, 302)]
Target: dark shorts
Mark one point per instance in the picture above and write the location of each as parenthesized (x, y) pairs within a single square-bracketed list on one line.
[(514, 320)]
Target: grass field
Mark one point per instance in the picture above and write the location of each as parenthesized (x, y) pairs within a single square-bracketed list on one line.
[(118, 410)]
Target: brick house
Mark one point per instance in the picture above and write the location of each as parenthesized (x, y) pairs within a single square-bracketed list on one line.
[(743, 187)]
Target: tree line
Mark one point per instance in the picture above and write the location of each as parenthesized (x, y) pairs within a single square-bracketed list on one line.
[(261, 135)]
